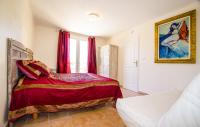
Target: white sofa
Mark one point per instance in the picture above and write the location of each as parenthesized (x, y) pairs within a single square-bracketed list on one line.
[(169, 109)]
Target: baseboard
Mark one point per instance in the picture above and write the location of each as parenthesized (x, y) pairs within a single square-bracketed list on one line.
[(143, 93), (4, 124), (139, 92), (7, 125)]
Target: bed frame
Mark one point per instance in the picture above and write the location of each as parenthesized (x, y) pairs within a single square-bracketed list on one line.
[(15, 51)]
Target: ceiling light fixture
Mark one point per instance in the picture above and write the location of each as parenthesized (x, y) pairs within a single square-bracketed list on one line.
[(93, 17)]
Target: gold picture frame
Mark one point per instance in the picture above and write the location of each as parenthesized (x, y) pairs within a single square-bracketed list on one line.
[(175, 39)]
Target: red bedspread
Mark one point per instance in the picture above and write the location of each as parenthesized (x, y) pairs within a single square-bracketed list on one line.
[(62, 91)]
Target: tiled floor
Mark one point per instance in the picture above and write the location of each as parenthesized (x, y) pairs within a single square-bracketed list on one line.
[(99, 117), (102, 116)]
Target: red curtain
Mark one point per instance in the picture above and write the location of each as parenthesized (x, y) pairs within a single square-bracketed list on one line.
[(63, 53), (92, 65)]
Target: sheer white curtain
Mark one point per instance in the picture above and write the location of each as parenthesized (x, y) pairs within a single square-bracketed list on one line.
[(78, 55)]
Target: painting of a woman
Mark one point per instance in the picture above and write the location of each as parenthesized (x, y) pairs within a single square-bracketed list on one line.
[(174, 44)]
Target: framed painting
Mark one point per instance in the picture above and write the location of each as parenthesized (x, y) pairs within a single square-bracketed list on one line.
[(175, 39)]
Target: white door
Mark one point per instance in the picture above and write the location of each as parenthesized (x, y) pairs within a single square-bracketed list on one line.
[(131, 57)]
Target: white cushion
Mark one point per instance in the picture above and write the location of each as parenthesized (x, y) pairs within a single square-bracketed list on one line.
[(186, 110), (146, 111)]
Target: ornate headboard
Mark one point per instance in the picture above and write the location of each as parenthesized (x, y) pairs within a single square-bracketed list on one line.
[(15, 51)]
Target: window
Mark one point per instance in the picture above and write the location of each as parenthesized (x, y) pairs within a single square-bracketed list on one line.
[(78, 55), (73, 52), (83, 56)]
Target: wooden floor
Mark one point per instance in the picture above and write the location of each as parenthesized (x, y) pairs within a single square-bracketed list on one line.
[(102, 116)]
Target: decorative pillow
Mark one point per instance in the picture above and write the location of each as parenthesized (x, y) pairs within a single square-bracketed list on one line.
[(186, 110), (30, 72), (38, 65)]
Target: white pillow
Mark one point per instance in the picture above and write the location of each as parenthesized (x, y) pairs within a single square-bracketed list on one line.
[(186, 110)]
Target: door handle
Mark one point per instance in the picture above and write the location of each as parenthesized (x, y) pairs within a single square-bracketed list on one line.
[(135, 62)]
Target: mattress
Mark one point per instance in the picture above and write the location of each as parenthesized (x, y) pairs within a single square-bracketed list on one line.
[(146, 111)]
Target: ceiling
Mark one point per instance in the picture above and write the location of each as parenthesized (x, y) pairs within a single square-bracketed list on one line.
[(115, 15)]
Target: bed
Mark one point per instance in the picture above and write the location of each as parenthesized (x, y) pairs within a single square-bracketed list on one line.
[(56, 92), (146, 111)]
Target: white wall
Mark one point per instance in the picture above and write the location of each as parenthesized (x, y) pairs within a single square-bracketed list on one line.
[(157, 77), (15, 22), (46, 42)]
